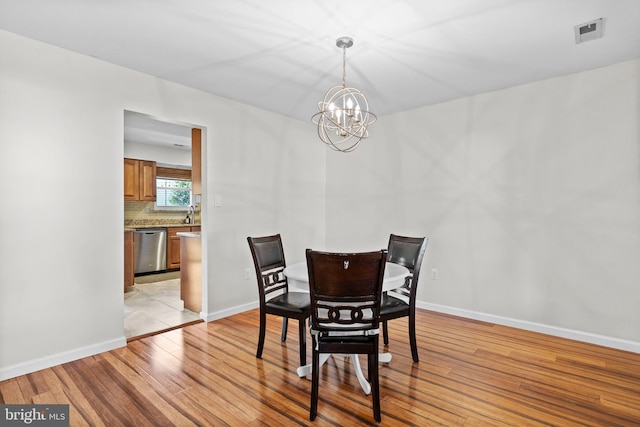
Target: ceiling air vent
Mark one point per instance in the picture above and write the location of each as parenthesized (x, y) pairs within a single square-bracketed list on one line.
[(588, 31)]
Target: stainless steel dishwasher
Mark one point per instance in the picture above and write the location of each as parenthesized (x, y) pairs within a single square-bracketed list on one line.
[(150, 250)]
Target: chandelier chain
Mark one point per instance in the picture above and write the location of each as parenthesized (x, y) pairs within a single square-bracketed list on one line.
[(344, 66)]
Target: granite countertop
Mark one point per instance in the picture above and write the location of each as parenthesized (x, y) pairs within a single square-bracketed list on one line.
[(135, 226)]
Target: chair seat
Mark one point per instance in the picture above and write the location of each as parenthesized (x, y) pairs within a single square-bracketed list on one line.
[(355, 340), (391, 304), (347, 345), (291, 301)]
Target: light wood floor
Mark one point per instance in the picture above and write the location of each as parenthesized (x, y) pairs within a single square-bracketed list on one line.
[(470, 373)]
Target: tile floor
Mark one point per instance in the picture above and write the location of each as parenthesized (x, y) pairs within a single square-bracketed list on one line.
[(154, 306)]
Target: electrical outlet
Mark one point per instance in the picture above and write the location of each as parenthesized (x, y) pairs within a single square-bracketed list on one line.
[(247, 273), (434, 274)]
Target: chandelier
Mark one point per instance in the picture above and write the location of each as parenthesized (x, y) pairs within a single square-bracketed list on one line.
[(344, 111)]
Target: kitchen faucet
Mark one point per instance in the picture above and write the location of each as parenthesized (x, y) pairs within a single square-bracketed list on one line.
[(191, 215)]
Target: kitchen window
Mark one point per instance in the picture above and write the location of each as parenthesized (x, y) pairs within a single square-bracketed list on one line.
[(173, 189)]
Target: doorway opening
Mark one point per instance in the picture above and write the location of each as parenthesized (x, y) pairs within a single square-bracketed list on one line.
[(162, 203)]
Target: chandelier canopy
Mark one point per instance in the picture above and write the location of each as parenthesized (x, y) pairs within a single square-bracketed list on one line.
[(344, 114)]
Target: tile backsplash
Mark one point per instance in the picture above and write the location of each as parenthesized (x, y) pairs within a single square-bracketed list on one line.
[(143, 214)]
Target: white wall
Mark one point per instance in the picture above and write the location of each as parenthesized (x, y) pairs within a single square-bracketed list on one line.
[(530, 197), (61, 177)]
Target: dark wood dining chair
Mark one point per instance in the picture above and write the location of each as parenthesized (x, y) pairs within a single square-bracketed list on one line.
[(401, 302), (275, 298), (346, 290)]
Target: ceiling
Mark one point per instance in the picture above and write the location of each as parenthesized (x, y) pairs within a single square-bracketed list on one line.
[(280, 55), (144, 129)]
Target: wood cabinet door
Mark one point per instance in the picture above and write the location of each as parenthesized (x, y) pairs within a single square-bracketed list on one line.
[(173, 246), (147, 181), (131, 179), (128, 259)]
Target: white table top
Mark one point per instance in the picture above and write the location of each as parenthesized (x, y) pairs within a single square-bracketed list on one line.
[(394, 274)]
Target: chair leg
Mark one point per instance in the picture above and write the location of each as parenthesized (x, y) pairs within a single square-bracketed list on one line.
[(285, 322), (374, 379), (385, 333), (412, 338), (315, 379), (302, 337), (263, 326)]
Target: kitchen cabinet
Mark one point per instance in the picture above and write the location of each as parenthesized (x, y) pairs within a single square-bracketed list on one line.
[(173, 246), (139, 180), (147, 181), (128, 259), (131, 179)]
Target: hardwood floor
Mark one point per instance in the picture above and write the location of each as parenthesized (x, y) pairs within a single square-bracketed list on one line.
[(470, 373)]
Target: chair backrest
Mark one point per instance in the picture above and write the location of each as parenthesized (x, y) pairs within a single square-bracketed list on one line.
[(345, 291), (408, 252), (269, 262)]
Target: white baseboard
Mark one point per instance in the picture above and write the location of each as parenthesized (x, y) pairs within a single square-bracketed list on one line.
[(617, 343), (60, 358), (208, 317)]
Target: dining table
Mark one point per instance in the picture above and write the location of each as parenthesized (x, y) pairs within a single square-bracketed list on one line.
[(298, 279)]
